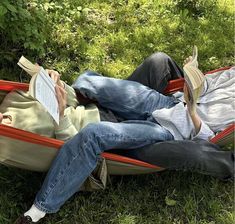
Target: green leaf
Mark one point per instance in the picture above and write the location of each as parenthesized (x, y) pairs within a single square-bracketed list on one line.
[(10, 7), (3, 10), (169, 201), (86, 11)]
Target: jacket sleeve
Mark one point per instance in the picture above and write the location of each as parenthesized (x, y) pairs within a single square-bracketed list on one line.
[(71, 95), (204, 133), (65, 130)]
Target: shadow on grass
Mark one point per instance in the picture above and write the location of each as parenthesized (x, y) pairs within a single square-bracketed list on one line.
[(128, 199)]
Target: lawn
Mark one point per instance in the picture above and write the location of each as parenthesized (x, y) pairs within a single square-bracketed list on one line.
[(113, 37)]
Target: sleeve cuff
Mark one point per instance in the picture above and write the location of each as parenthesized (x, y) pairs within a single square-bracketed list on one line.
[(71, 95), (204, 133), (63, 124)]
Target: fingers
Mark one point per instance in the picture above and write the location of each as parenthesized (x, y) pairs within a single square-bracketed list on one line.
[(1, 117), (61, 96), (55, 76), (187, 60)]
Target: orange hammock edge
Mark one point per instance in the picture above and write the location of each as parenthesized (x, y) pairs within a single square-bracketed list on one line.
[(7, 131)]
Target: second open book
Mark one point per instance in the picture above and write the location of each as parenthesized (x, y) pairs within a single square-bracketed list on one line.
[(41, 87), (193, 77)]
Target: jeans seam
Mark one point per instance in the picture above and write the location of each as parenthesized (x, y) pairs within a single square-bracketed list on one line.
[(51, 188), (124, 137)]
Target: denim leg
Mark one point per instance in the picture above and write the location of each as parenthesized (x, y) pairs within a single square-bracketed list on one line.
[(156, 71), (78, 157), (129, 99)]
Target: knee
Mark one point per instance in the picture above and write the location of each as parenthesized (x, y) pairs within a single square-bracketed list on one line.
[(86, 142), (97, 132), (158, 58), (90, 131), (86, 75), (85, 83)]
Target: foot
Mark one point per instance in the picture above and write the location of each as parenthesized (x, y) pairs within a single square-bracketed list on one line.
[(24, 220)]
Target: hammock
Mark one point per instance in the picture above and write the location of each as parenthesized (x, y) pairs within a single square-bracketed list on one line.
[(23, 149)]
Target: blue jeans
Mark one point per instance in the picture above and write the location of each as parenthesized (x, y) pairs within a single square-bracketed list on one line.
[(78, 157), (128, 99)]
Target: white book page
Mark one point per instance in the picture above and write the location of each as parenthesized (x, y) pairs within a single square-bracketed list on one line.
[(46, 95)]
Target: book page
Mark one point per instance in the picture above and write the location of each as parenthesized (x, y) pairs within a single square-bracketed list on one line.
[(44, 90), (28, 66), (193, 77), (194, 61)]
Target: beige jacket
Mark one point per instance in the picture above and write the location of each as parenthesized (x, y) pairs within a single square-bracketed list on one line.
[(28, 114)]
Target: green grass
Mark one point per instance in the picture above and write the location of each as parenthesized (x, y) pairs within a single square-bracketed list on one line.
[(129, 199), (113, 37)]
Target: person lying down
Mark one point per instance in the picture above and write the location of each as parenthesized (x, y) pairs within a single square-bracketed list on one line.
[(215, 111), (22, 111), (149, 117)]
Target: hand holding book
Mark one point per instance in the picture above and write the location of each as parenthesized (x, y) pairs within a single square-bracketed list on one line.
[(61, 96), (55, 76), (188, 100), (42, 87), (194, 78)]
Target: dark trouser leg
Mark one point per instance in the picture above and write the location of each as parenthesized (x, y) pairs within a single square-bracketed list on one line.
[(198, 156), (156, 71)]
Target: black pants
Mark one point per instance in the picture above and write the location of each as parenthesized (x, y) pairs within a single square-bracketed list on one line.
[(156, 71), (199, 156)]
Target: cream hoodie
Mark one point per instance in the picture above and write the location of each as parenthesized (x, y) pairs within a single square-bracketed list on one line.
[(28, 114)]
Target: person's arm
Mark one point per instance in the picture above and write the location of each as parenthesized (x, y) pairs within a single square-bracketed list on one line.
[(202, 131), (65, 130), (1, 117), (192, 110), (71, 95)]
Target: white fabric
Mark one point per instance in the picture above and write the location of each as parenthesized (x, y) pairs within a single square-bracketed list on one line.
[(216, 108), (35, 213)]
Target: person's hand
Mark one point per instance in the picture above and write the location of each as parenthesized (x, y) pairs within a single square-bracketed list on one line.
[(187, 60), (1, 117), (192, 110), (61, 96), (191, 107), (55, 76), (190, 59)]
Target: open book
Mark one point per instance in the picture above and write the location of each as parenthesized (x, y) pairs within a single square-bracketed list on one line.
[(41, 87), (193, 77)]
